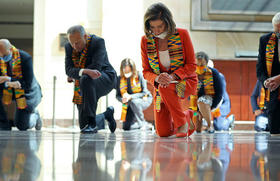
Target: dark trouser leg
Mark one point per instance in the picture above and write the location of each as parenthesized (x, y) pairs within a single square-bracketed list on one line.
[(92, 90), (3, 114), (99, 120), (129, 119), (274, 119), (25, 120), (5, 124)]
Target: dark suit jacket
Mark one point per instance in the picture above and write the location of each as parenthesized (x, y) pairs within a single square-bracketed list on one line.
[(97, 59), (28, 82), (262, 70)]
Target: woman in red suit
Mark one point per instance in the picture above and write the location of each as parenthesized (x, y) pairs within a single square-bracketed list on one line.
[(168, 62)]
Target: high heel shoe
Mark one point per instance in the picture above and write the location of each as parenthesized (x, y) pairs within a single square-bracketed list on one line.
[(190, 124), (181, 135)]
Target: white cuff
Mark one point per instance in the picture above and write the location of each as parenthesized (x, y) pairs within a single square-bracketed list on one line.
[(6, 85), (156, 79), (81, 72)]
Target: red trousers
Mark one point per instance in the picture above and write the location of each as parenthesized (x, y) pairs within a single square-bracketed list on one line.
[(171, 115)]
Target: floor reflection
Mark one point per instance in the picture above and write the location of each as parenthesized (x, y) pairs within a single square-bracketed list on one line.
[(18, 159), (132, 156), (86, 168)]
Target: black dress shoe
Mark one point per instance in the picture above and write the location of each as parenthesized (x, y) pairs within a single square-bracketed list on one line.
[(109, 116), (88, 129)]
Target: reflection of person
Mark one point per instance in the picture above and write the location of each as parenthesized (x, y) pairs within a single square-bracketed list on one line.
[(268, 72), (210, 161), (135, 162), (87, 64), (169, 65), (209, 94), (259, 109), (85, 168), (133, 93), (171, 159), (223, 144), (18, 158), (18, 85), (272, 162), (259, 162)]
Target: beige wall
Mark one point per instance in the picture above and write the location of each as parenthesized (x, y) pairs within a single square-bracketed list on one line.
[(52, 17), (120, 23)]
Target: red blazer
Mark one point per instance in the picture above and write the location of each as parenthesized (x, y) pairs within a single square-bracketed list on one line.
[(187, 71)]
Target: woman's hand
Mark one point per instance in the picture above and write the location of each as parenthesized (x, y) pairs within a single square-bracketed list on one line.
[(126, 98), (164, 80)]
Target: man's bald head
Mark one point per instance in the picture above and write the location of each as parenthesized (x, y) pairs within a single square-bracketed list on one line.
[(5, 47)]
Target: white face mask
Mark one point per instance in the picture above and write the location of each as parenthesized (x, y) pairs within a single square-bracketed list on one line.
[(128, 75), (162, 35)]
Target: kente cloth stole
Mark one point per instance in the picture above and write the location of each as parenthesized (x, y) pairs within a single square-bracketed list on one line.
[(269, 56), (262, 99), (176, 61), (208, 84), (80, 62), (16, 74), (136, 88)]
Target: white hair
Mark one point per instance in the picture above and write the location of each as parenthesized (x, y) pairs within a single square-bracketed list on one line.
[(276, 19), (6, 43), (75, 29)]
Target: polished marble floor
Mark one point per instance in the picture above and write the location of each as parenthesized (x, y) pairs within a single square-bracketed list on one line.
[(65, 155)]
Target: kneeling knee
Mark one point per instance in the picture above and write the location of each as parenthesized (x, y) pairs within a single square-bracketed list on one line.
[(84, 80)]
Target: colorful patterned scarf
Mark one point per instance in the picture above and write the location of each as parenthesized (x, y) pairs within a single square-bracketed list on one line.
[(80, 62), (207, 82), (17, 74), (269, 56), (176, 57), (263, 168), (136, 88), (262, 99)]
